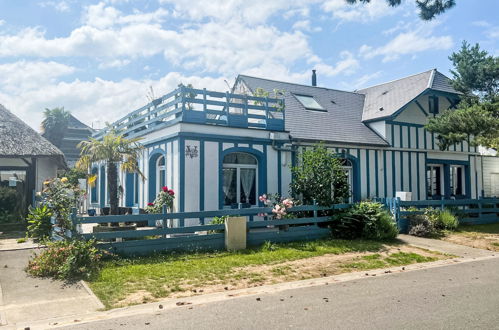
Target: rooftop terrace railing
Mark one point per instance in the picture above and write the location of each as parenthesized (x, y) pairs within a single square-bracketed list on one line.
[(200, 106)]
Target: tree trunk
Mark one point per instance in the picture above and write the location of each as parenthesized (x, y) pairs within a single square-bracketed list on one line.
[(112, 184)]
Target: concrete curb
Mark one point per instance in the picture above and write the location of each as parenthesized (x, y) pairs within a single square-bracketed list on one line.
[(92, 294), (3, 316), (189, 302)]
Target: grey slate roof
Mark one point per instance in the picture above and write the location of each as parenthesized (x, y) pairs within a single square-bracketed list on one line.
[(73, 122), (18, 139), (385, 99), (342, 122)]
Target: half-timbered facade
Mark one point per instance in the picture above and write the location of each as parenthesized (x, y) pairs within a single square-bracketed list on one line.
[(218, 150)]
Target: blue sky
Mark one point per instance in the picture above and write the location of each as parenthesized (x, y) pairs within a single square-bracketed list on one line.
[(98, 59)]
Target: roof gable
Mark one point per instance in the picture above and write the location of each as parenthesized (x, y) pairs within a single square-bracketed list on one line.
[(386, 99), (340, 122), (18, 139)]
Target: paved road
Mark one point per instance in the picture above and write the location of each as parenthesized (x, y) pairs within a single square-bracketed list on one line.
[(460, 296)]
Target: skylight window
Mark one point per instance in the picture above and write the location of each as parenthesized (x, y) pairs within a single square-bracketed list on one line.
[(309, 102)]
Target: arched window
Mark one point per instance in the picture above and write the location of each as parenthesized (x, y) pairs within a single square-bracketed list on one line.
[(160, 173), (239, 179)]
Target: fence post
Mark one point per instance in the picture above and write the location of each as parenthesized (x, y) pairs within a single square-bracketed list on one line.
[(315, 211), (397, 209), (479, 204), (163, 222), (74, 223), (235, 233)]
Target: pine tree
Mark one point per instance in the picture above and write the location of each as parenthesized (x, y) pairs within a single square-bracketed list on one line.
[(476, 119)]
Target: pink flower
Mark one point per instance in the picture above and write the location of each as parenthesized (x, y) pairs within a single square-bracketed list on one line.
[(287, 203), (150, 204), (263, 198), (171, 192), (165, 189)]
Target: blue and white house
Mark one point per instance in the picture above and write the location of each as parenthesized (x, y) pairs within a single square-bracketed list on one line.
[(220, 150)]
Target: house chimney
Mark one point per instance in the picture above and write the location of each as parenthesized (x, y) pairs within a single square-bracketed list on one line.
[(314, 78)]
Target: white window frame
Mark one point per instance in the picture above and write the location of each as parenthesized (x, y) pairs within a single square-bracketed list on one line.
[(238, 168), (313, 108), (442, 187), (453, 174), (160, 168)]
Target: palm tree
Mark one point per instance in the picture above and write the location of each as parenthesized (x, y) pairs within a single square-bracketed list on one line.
[(113, 150), (55, 124)]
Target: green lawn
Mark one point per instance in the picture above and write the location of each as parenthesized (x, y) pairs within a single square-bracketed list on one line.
[(163, 275)]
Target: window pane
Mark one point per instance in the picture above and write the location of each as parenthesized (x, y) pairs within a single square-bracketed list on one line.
[(437, 181), (239, 158), (248, 185), (162, 179), (230, 186), (309, 102), (459, 181), (161, 161)]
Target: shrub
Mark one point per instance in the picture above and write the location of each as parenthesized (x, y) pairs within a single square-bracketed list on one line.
[(218, 221), (8, 199), (366, 220), (432, 222), (279, 205), (164, 198), (8, 205), (39, 225), (446, 220), (67, 260), (320, 177), (60, 196), (421, 225)]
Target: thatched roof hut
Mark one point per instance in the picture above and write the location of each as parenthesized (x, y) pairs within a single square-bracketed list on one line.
[(17, 139), (26, 159)]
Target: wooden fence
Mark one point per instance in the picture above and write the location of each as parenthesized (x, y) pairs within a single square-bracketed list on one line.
[(469, 211), (170, 232)]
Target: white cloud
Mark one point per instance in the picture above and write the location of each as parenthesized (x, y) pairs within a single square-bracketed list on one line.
[(95, 102), (373, 10), (305, 25), (491, 31), (23, 75), (220, 47), (414, 39), (117, 63), (347, 65), (2, 22), (252, 12), (360, 82), (61, 6), (102, 16)]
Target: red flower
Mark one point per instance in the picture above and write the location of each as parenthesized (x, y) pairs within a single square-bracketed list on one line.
[(165, 189), (171, 192), (150, 204)]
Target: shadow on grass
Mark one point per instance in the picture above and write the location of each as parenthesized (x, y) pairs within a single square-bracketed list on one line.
[(492, 228), (277, 251)]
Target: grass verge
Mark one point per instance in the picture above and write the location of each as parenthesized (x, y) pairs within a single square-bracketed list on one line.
[(131, 281), (477, 236)]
